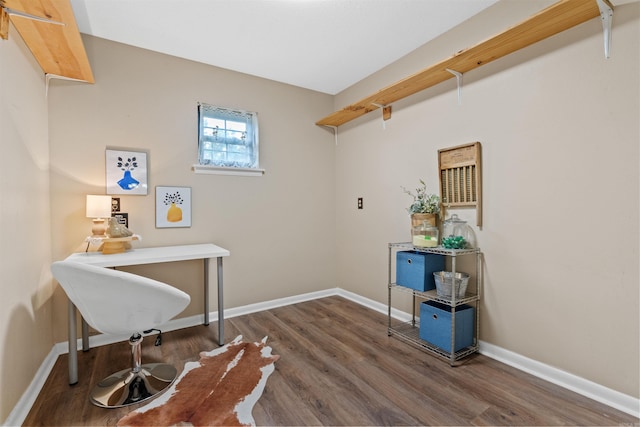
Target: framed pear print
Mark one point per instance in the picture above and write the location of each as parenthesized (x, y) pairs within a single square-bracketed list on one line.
[(173, 207)]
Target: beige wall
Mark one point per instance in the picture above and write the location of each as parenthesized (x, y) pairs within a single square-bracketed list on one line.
[(559, 128), (560, 133), (25, 243), (280, 228)]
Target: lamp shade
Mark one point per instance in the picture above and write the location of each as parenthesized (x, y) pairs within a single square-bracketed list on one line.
[(98, 206)]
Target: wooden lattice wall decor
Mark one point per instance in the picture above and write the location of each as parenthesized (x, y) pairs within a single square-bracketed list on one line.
[(461, 177)]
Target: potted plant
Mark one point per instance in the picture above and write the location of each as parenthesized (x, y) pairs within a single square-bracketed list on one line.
[(425, 207)]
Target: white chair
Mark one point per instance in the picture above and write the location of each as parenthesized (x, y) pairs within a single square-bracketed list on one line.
[(116, 302)]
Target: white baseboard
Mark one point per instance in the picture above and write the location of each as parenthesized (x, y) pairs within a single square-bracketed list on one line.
[(268, 305), (599, 393), (22, 408)]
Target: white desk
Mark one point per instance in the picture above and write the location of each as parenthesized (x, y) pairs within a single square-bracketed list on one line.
[(142, 256)]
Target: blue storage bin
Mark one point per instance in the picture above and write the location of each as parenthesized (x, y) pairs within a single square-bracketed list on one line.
[(435, 325), (415, 269)]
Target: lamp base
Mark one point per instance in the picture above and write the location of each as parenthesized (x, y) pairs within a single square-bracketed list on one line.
[(99, 227)]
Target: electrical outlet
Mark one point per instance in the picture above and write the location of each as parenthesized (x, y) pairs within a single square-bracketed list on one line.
[(359, 202)]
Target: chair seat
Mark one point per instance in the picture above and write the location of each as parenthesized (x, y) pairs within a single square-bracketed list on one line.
[(117, 302)]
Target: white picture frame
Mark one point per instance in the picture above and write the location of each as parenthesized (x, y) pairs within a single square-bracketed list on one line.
[(126, 172), (173, 207)]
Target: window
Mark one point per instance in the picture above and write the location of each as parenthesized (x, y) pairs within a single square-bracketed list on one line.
[(227, 140)]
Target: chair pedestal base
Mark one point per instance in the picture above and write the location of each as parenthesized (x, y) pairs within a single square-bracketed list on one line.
[(127, 387)]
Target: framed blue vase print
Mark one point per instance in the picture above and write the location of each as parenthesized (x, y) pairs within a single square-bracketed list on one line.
[(126, 172)]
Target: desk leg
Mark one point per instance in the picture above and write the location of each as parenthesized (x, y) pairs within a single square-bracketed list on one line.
[(206, 292), (85, 335), (220, 304), (73, 345)]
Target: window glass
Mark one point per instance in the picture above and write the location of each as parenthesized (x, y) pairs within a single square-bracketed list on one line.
[(227, 137)]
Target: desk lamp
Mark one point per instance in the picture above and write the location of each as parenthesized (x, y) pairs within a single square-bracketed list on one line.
[(98, 208)]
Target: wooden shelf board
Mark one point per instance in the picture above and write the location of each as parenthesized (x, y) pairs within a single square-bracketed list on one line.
[(554, 19), (57, 48), (4, 24)]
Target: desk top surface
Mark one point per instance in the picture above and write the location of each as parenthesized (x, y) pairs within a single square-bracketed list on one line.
[(150, 255)]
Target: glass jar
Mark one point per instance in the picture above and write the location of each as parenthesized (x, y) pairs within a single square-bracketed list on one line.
[(424, 235), (456, 234)]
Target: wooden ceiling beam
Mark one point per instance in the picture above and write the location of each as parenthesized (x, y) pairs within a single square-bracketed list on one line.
[(554, 19), (58, 49)]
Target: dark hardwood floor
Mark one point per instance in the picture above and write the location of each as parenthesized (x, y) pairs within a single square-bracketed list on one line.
[(338, 367)]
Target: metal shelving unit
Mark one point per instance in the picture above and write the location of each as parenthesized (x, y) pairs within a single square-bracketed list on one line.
[(409, 331)]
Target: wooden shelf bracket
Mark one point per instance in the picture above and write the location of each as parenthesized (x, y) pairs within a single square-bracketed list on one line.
[(11, 12), (386, 113), (459, 83), (606, 14), (335, 133), (50, 76), (6, 13)]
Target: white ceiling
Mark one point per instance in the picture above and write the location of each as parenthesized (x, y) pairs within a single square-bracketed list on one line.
[(324, 45)]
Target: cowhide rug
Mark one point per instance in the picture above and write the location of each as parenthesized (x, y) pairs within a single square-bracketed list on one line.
[(218, 390)]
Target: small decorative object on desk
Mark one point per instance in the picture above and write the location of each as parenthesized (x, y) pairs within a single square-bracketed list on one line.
[(117, 230), (425, 207), (118, 239), (456, 234), (117, 245)]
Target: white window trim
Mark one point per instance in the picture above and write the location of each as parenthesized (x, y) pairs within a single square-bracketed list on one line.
[(221, 170), (216, 169)]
